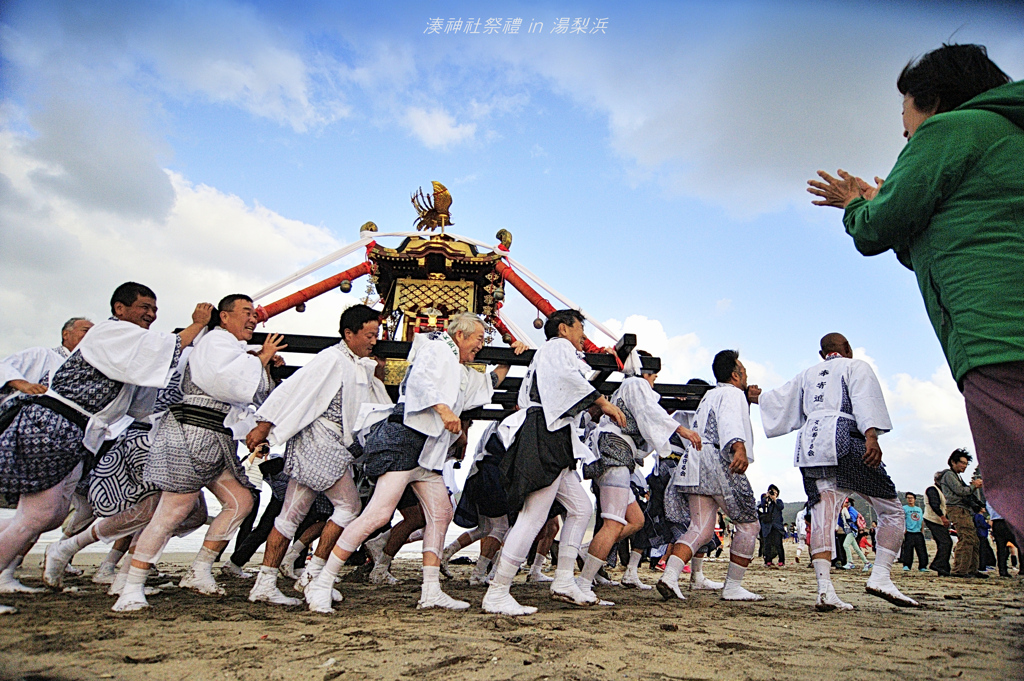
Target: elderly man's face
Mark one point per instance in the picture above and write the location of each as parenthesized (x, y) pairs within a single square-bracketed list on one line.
[(361, 342), (142, 312), (469, 344), (70, 338), (240, 320), (574, 334)]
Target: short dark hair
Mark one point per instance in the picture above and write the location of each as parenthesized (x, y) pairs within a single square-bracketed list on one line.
[(226, 304), (909, 494), (773, 487), (128, 292), (355, 317), (959, 453), (724, 365), (567, 317), (697, 381), (830, 342), (947, 77)]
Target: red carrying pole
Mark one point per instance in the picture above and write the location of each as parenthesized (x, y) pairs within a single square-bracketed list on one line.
[(502, 329), (537, 300), (299, 297)]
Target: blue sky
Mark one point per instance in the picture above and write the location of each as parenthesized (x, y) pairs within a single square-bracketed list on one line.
[(654, 173)]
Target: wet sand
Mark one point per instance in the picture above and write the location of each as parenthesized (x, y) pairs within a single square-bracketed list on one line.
[(969, 629)]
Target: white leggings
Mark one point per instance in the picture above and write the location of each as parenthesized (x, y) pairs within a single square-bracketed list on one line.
[(432, 494), (496, 528), (703, 513), (888, 534), (567, 490), (37, 512), (174, 508), (138, 516), (298, 499)]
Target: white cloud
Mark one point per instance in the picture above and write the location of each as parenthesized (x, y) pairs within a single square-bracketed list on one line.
[(436, 128), (723, 305), (62, 257)]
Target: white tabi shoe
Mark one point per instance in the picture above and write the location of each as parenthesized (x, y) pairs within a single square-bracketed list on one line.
[(888, 591), (631, 580), (381, 576), (265, 591), (9, 584), (70, 569), (604, 581), (828, 601), (499, 601), (105, 574), (376, 546), (568, 591), (319, 598), (287, 566), (433, 597), (132, 598), (735, 592), (476, 579), (117, 586), (698, 582), (670, 591), (8, 610), (201, 581), (446, 556), (588, 591), (55, 559), (229, 569), (538, 577)]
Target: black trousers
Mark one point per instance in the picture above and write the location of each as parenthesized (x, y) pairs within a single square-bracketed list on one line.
[(988, 558), (943, 547), (914, 542), (840, 560), (1002, 534), (773, 547), (246, 527)]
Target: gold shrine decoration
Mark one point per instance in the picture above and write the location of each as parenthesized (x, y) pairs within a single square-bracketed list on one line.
[(451, 297)]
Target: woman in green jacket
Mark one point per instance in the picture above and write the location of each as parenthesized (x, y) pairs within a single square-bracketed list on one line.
[(952, 210)]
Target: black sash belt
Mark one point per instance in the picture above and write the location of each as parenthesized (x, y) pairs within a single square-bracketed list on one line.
[(200, 417), (70, 413)]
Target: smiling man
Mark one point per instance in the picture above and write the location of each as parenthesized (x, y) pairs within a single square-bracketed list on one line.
[(194, 446), (51, 438), (409, 444)]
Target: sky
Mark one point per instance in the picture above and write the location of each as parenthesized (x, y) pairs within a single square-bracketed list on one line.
[(650, 161)]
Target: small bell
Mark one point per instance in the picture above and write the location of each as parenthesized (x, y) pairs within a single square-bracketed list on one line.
[(499, 295), (506, 339), (301, 307), (538, 323), (345, 286)]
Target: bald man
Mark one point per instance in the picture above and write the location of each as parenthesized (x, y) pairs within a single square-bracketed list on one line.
[(838, 409)]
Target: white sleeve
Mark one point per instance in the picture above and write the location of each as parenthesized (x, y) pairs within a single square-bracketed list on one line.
[(224, 371), (28, 365), (433, 378), (868, 402), (733, 419), (782, 409), (655, 425)]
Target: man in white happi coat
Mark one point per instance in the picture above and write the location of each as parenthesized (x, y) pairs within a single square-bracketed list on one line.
[(53, 436), (838, 408), (195, 446), (408, 445), (28, 373), (619, 450), (539, 465), (715, 478), (314, 412)]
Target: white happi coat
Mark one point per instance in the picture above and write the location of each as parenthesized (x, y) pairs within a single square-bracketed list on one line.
[(222, 367), (435, 376), (653, 422), (34, 365), (812, 403), (731, 423), (305, 395), (560, 373), (139, 358)]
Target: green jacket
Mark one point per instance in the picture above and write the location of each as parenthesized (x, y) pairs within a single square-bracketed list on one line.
[(953, 211)]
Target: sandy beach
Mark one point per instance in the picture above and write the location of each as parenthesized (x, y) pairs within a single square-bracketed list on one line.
[(970, 629)]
